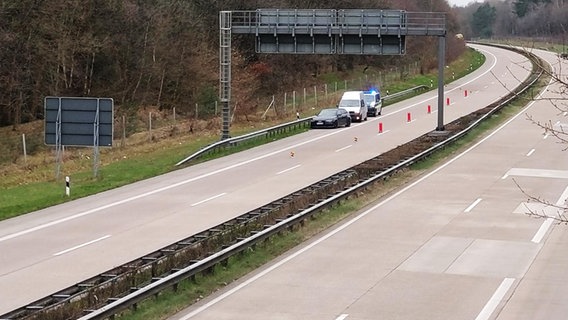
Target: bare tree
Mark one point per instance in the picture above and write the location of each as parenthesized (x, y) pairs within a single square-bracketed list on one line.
[(560, 102)]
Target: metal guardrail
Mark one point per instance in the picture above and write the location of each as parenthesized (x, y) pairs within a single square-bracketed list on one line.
[(405, 92), (171, 280), (288, 126), (140, 294)]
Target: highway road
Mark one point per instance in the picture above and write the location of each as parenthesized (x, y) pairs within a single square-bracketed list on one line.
[(51, 249), (454, 244)]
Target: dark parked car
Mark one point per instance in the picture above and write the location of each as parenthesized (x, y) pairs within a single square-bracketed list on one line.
[(331, 118)]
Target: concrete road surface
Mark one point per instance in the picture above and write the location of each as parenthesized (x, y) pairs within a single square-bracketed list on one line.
[(55, 248), (455, 244)]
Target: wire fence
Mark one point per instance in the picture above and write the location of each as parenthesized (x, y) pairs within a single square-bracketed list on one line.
[(132, 126)]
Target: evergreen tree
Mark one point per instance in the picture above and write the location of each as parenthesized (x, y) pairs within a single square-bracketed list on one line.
[(483, 19)]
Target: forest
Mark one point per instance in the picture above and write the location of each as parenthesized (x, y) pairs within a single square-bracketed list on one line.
[(162, 53), (544, 20)]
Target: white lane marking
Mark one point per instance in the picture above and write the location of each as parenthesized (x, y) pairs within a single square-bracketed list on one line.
[(538, 173), (471, 206), (383, 132), (495, 299), (81, 245), (350, 222), (505, 176), (171, 186), (342, 317), (545, 136), (209, 199), (227, 168), (542, 230), (530, 153), (344, 148), (289, 169)]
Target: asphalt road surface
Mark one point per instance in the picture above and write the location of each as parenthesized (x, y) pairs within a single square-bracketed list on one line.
[(454, 244), (51, 249)]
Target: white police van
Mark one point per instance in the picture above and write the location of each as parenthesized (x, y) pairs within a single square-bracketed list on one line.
[(373, 101)]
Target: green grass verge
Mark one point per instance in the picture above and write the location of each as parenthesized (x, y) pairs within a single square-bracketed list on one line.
[(468, 62), (22, 199), (34, 196)]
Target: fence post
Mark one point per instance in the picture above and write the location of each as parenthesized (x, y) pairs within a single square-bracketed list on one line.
[(24, 146), (316, 95), (150, 125), (123, 131), (294, 100)]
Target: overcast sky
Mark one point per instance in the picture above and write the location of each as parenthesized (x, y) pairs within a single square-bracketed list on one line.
[(461, 3)]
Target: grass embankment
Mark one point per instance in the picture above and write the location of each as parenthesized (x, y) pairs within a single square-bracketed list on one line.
[(32, 186)]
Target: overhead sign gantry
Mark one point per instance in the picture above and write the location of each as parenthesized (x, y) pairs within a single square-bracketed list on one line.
[(327, 31)]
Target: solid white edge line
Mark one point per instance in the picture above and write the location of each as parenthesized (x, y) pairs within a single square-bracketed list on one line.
[(152, 192), (289, 169), (542, 230), (355, 219), (495, 299), (342, 317), (530, 152), (471, 206), (209, 199), (175, 185), (81, 245), (344, 148)]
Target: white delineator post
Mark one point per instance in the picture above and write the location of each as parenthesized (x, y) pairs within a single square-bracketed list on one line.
[(67, 189)]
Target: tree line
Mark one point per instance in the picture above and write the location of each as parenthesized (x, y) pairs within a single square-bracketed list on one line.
[(545, 19), (161, 53)]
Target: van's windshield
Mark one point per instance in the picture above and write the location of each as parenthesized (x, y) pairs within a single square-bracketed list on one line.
[(349, 104)]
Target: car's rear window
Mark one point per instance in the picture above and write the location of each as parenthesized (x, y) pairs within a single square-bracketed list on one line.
[(328, 112)]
